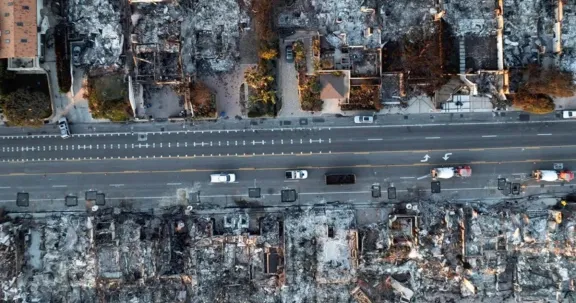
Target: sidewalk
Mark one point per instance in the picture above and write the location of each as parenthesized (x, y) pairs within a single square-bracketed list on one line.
[(324, 121)]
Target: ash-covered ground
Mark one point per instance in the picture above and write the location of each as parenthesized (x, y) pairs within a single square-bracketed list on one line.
[(418, 252)]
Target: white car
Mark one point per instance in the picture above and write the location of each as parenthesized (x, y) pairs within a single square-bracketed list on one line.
[(363, 119), (222, 178), (296, 174), (569, 114), (64, 129)]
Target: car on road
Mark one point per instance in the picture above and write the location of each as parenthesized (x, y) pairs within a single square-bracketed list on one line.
[(223, 178), (296, 174), (289, 54), (76, 55), (64, 129), (569, 114), (363, 119)]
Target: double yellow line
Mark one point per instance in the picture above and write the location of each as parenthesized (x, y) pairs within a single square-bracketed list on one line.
[(203, 170)]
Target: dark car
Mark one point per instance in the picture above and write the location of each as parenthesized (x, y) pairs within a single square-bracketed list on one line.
[(76, 55), (289, 54)]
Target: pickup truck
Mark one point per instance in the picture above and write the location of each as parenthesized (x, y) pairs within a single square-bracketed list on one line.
[(296, 174), (337, 179)]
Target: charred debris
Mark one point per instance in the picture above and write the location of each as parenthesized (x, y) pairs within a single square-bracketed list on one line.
[(418, 252)]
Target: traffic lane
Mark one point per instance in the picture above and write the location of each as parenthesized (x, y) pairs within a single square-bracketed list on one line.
[(219, 148), (546, 155), (270, 180), (394, 133), (268, 142), (122, 138), (164, 148)]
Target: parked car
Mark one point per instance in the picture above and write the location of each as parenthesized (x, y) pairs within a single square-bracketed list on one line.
[(223, 178), (289, 54), (76, 55), (363, 119), (569, 114), (64, 129)]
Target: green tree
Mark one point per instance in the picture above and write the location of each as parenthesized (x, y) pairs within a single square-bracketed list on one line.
[(268, 96), (299, 52), (257, 78), (268, 54), (26, 108)]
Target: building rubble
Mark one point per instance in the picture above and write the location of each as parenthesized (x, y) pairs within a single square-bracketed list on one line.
[(98, 24), (422, 252)]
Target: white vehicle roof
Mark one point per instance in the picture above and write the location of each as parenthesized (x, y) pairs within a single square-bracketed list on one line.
[(445, 172), (222, 178), (548, 175)]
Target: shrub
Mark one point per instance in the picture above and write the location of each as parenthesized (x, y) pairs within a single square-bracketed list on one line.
[(533, 103), (26, 108)]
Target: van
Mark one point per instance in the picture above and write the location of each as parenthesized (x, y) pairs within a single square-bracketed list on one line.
[(64, 129)]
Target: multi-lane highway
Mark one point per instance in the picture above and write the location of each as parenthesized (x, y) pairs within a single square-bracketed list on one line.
[(174, 166)]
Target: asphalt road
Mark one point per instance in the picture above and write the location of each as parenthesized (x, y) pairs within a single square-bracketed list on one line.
[(173, 167), (282, 141), (158, 181)]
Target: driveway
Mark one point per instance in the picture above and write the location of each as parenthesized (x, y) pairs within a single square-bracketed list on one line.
[(226, 86), (73, 105), (288, 86)]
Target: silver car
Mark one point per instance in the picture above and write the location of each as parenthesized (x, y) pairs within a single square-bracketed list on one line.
[(64, 129)]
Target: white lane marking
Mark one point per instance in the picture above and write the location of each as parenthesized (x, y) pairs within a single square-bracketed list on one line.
[(431, 138), (117, 185), (422, 177), (489, 136), (291, 180), (173, 183), (375, 139), (544, 134), (407, 177), (59, 185), (5, 187), (292, 129)]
